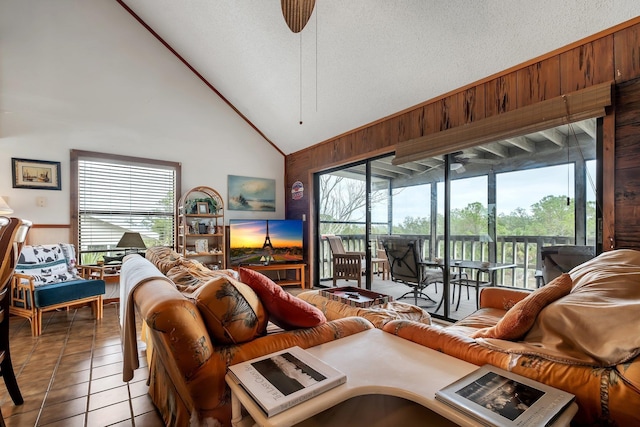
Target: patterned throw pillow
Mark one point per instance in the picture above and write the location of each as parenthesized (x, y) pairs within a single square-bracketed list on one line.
[(520, 318), (232, 312), (47, 263), (284, 309), (46, 272), (69, 252)]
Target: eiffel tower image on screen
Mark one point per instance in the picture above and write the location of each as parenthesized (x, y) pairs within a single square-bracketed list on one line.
[(267, 240)]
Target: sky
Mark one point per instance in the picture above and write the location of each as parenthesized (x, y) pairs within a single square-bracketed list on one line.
[(515, 189)]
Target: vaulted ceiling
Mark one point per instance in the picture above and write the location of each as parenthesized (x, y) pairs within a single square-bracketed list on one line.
[(358, 61)]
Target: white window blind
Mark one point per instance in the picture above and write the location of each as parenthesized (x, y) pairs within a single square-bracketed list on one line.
[(115, 197)]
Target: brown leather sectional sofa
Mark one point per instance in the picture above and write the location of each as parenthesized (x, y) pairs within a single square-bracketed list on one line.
[(586, 342), (187, 363)]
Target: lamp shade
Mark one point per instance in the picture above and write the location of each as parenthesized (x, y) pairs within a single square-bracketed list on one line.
[(131, 240), (4, 208)]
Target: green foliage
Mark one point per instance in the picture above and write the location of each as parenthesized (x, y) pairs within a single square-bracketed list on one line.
[(471, 220), (413, 225), (551, 216)]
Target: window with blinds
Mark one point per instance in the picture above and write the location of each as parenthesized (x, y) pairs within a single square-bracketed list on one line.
[(122, 194)]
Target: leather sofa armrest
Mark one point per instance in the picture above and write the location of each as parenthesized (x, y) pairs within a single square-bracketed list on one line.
[(630, 372), (305, 338), (502, 298), (447, 341), (177, 322), (208, 388)]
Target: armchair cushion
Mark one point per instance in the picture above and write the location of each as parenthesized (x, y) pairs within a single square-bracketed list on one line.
[(231, 310), (56, 293), (520, 318), (285, 310)]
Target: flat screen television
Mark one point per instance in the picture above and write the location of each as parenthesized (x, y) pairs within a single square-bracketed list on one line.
[(253, 241)]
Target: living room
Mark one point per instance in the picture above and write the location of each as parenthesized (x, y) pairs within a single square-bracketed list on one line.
[(117, 90)]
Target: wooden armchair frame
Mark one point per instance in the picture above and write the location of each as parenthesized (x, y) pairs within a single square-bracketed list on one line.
[(23, 303), (24, 300)]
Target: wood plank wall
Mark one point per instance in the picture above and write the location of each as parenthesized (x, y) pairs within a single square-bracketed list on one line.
[(627, 169), (612, 55)]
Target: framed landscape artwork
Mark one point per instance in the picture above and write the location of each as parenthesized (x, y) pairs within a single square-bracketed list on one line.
[(37, 174), (252, 194)]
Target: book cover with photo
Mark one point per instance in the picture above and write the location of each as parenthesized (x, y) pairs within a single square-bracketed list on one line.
[(496, 397), (286, 378)]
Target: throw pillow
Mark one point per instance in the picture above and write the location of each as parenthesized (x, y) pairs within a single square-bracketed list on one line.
[(46, 272), (520, 318), (284, 309), (231, 310)]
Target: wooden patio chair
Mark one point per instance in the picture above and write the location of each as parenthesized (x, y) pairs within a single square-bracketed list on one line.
[(346, 265)]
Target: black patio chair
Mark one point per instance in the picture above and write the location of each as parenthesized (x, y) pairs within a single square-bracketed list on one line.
[(405, 266)]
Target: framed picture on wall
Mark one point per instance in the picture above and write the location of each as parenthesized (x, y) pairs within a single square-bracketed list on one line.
[(251, 194), (36, 174)]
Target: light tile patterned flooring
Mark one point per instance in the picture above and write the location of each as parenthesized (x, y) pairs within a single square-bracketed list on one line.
[(72, 374)]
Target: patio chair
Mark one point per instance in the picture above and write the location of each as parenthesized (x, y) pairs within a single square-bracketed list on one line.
[(346, 265), (405, 265)]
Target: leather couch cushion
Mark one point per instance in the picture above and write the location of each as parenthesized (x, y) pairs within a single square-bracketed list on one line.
[(520, 318), (285, 310), (163, 258), (231, 310)]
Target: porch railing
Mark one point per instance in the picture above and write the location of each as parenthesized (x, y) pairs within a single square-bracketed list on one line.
[(524, 251)]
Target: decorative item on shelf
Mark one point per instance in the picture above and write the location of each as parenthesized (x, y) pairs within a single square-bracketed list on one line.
[(202, 228), (195, 206), (212, 227), (194, 227), (131, 242), (5, 209), (202, 246), (203, 208)]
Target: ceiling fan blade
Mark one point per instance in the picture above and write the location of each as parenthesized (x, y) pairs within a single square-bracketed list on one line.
[(297, 13)]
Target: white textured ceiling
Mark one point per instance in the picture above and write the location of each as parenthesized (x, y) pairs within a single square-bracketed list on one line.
[(361, 60)]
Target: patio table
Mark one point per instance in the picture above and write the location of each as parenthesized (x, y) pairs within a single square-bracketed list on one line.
[(490, 268)]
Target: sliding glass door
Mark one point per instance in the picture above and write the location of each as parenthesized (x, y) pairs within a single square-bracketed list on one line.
[(497, 203)]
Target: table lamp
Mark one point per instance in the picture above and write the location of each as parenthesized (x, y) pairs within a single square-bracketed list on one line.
[(131, 241), (5, 209)]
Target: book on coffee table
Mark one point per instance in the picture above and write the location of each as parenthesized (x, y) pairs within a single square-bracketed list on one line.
[(496, 397), (285, 378)]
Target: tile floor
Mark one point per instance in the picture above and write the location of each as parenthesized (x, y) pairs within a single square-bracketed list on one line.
[(72, 374)]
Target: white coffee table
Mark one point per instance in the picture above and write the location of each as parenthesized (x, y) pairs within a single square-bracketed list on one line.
[(376, 363)]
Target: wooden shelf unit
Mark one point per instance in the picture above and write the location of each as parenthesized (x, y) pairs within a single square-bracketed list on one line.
[(207, 247), (298, 269)]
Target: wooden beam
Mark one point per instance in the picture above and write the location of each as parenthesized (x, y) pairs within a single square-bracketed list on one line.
[(555, 136), (589, 127), (523, 143)]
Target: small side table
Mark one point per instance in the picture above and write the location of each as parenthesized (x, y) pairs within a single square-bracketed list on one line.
[(110, 273)]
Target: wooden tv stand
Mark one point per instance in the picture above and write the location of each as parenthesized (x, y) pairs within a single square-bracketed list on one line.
[(298, 269)]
